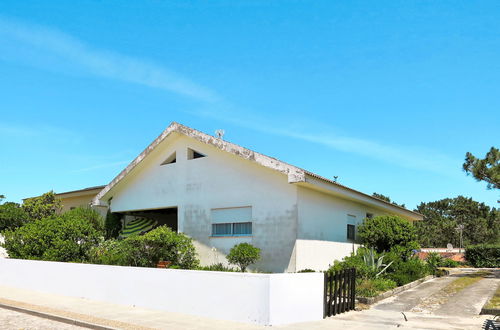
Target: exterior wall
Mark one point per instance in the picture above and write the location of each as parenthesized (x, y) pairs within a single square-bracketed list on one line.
[(266, 299), (219, 180), (320, 255), (76, 201), (322, 228)]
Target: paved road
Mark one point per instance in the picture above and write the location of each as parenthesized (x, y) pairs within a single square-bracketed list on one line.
[(10, 320)]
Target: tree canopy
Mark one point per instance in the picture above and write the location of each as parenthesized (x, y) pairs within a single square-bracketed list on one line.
[(441, 218), (487, 169), (386, 198)]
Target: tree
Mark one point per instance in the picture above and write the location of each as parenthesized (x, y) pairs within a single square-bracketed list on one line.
[(386, 232), (487, 169), (66, 237), (243, 255), (12, 216), (43, 206), (386, 198), (441, 218)]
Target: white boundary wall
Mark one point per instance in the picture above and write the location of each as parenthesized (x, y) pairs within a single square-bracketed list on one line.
[(266, 299), (320, 255)]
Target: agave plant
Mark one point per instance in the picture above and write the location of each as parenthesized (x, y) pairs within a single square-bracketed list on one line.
[(374, 263)]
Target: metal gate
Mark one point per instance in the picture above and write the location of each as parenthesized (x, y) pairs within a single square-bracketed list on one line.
[(340, 292)]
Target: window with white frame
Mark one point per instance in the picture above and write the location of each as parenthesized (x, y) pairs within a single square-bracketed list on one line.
[(234, 221), (351, 227)]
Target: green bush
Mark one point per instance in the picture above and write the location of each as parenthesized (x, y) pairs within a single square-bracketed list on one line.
[(307, 270), (12, 216), (449, 263), (160, 244), (43, 206), (355, 260), (112, 225), (406, 271), (60, 238), (433, 260), (219, 267), (243, 255), (383, 233), (90, 215), (483, 255), (373, 287)]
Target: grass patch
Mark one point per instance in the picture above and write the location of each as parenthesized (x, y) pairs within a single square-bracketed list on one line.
[(463, 282), (494, 302)]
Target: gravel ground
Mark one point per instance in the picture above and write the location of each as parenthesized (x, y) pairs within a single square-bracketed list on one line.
[(10, 320)]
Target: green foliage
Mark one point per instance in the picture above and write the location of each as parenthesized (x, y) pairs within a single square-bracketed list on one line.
[(487, 169), (481, 223), (218, 267), (356, 260), (92, 216), (373, 287), (449, 263), (483, 255), (243, 255), (385, 232), (386, 198), (160, 244), (406, 271), (57, 238), (433, 260), (43, 206), (307, 270), (112, 225), (12, 216), (375, 263)]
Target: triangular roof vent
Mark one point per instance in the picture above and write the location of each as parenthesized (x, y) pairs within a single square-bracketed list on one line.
[(170, 160)]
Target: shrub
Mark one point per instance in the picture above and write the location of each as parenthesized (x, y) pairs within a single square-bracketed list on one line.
[(160, 244), (355, 260), (433, 260), (61, 238), (307, 270), (372, 287), (218, 267), (483, 255), (406, 271), (112, 225), (12, 216), (243, 255), (90, 215), (43, 206), (449, 263), (385, 232)]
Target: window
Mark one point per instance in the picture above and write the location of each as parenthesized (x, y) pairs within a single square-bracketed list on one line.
[(369, 215), (193, 154), (232, 229), (235, 221), (351, 232), (170, 160)]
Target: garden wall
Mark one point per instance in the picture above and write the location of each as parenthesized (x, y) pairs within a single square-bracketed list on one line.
[(266, 299)]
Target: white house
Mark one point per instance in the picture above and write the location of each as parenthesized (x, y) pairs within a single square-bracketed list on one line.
[(221, 194)]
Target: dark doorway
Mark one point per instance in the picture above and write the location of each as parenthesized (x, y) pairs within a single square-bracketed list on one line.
[(162, 216)]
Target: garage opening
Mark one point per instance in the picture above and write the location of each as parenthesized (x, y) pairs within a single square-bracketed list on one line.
[(167, 216)]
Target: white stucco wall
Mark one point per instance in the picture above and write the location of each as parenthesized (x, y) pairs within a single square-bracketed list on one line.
[(267, 299), (219, 180), (320, 255)]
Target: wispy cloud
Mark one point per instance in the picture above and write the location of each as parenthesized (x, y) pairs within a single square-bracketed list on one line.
[(101, 166), (53, 43), (100, 62)]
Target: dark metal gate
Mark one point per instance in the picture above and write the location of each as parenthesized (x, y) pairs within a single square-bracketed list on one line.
[(340, 292)]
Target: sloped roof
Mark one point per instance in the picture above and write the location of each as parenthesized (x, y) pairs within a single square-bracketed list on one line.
[(295, 174)]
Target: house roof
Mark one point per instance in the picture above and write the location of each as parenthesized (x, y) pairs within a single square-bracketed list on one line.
[(76, 192), (295, 174)]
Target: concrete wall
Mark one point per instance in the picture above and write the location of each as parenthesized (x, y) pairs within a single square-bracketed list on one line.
[(267, 299), (320, 255), (219, 180)]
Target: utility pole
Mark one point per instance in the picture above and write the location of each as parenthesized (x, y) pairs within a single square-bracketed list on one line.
[(460, 229)]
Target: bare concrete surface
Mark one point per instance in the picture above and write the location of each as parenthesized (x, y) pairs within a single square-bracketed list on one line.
[(10, 320), (424, 307)]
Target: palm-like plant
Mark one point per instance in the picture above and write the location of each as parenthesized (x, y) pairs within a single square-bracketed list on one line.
[(374, 263)]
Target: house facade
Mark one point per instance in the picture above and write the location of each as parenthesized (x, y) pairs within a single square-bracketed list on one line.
[(221, 194)]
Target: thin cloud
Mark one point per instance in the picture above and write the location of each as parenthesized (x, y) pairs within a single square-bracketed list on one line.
[(102, 63), (101, 166)]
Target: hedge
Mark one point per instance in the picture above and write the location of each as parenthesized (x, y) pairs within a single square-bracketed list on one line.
[(483, 255)]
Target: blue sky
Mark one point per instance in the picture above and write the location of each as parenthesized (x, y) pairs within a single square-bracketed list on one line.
[(386, 95)]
